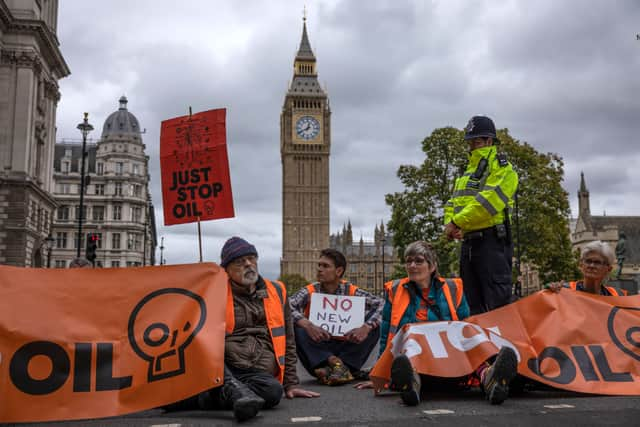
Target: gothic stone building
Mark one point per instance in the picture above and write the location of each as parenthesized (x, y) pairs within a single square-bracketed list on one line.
[(117, 202), (609, 229), (30, 66), (369, 263)]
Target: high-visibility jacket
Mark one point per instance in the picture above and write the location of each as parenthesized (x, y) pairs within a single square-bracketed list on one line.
[(611, 290), (274, 312), (350, 289), (400, 298), (479, 202)]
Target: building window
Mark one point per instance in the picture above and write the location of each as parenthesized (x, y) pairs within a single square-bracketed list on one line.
[(118, 191), (99, 189), (137, 190), (99, 241), (84, 212), (66, 188), (61, 240), (115, 263), (115, 241), (63, 213), (137, 242), (117, 212), (98, 213), (130, 241), (60, 263), (100, 169), (119, 168), (136, 213), (65, 167), (136, 169), (75, 241)]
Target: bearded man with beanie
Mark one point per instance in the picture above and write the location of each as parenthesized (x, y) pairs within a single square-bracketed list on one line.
[(260, 350)]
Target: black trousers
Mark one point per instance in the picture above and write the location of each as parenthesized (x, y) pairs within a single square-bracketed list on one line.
[(261, 383), (315, 354), (485, 269)]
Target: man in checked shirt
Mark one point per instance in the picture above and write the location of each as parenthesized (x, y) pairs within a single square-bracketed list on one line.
[(334, 361)]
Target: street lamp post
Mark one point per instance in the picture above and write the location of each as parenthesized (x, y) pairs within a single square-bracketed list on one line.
[(375, 274), (384, 240), (161, 250), (47, 243), (84, 128)]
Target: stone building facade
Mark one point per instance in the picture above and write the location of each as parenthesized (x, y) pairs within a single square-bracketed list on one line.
[(620, 232), (369, 263), (117, 201), (305, 145), (31, 64)]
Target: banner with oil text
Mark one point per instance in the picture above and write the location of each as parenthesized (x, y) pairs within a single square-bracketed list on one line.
[(194, 165), (570, 340), (87, 343)]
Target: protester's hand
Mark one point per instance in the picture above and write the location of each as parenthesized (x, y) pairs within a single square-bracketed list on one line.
[(555, 286), (316, 333), (299, 392), (363, 385), (358, 335)]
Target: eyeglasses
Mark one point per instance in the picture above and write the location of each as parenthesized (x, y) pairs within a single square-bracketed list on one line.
[(239, 262), (593, 262), (417, 261)]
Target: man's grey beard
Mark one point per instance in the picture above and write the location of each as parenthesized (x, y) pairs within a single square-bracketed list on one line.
[(250, 276)]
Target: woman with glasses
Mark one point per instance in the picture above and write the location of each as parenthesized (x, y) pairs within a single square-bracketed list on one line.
[(596, 262), (424, 296)]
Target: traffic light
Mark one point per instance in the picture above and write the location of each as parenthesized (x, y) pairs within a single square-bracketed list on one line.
[(92, 246)]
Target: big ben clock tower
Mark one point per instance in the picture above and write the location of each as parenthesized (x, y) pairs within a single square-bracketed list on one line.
[(305, 142)]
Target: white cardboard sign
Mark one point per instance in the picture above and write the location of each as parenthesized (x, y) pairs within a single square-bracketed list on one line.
[(337, 314)]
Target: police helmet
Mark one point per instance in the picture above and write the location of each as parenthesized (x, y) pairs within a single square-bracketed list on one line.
[(480, 127)]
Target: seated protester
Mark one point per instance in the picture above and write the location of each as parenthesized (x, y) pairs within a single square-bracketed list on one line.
[(596, 262), (259, 352), (334, 361), (424, 296)]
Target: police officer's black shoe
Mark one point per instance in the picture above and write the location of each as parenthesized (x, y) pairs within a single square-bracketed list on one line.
[(405, 380), (496, 378)]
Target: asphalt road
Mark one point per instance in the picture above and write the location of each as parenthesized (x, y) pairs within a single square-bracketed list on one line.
[(346, 406)]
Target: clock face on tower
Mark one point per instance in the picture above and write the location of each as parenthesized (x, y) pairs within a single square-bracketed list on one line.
[(307, 127)]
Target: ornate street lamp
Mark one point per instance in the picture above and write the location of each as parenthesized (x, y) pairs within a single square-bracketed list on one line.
[(161, 250), (47, 244), (84, 128)]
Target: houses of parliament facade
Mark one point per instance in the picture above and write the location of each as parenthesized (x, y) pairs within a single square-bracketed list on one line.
[(305, 148)]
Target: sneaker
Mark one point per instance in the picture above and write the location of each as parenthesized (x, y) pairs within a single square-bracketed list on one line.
[(405, 380), (322, 374), (340, 374), (496, 378)]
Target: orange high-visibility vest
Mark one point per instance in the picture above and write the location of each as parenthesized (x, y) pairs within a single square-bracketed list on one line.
[(613, 291), (400, 299), (315, 287), (274, 312)]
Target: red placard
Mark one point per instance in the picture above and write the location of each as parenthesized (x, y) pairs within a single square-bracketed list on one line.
[(195, 168)]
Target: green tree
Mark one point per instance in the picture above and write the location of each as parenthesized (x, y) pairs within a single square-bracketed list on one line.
[(543, 237), (293, 282)]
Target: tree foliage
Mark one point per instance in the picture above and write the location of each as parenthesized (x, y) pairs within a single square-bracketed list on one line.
[(543, 206), (293, 282)]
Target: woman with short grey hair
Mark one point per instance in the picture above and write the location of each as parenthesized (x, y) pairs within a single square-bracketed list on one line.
[(596, 262)]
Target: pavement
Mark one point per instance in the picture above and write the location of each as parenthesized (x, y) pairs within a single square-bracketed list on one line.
[(346, 406)]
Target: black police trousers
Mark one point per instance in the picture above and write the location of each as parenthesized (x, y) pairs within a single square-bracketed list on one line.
[(485, 269)]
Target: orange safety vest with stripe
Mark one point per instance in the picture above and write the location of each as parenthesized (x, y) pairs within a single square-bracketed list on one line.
[(315, 287), (613, 291), (274, 312), (400, 299)]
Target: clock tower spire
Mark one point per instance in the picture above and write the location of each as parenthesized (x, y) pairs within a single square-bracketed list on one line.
[(305, 143)]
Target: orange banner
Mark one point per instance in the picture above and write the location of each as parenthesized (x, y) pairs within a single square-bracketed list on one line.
[(570, 340), (195, 168), (88, 343)]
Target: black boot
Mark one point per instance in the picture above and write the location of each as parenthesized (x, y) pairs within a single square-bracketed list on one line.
[(244, 402)]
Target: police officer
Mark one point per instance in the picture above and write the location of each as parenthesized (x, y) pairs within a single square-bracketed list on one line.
[(478, 213)]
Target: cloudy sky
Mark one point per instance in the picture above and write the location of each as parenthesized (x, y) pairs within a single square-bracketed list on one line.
[(562, 76)]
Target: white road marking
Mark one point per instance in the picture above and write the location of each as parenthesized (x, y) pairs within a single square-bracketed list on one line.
[(560, 406), (166, 425), (305, 419), (438, 411)]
